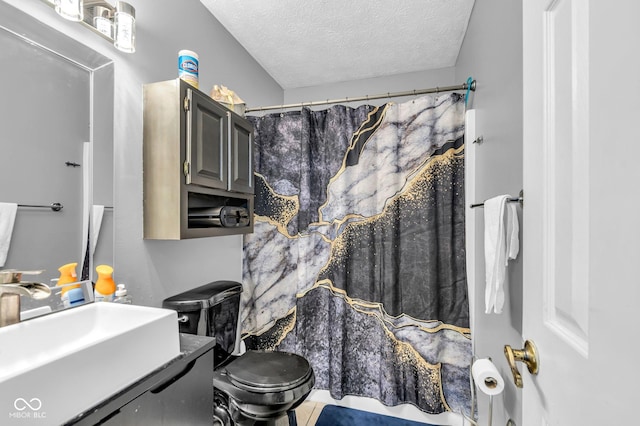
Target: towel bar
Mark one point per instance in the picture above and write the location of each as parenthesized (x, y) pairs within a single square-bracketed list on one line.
[(519, 199), (56, 207)]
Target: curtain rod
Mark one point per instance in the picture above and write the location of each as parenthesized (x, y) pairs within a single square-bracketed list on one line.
[(464, 86)]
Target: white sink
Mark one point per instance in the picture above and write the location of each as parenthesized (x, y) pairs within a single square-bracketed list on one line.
[(54, 367)]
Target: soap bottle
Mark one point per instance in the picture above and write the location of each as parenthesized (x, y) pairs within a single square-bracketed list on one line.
[(67, 275), (122, 296), (105, 287)]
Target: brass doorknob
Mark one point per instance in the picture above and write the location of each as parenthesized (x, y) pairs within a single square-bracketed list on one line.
[(528, 355)]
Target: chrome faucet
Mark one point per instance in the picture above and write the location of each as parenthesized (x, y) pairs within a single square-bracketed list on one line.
[(11, 288)]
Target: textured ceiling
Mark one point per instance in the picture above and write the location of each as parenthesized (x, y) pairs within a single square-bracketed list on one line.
[(327, 41)]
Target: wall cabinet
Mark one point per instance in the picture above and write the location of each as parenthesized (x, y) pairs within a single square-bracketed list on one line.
[(198, 165)]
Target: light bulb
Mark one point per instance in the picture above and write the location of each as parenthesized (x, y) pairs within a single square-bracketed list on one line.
[(125, 27), (102, 21), (69, 9)]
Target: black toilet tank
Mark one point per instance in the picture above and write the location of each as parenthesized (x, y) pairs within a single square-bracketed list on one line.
[(210, 310)]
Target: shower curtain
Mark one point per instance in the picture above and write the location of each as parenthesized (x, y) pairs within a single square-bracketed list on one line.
[(357, 260)]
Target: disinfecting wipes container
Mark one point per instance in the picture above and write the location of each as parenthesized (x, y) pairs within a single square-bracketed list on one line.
[(188, 67)]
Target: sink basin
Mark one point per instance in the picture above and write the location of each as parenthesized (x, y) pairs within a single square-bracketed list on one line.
[(54, 367)]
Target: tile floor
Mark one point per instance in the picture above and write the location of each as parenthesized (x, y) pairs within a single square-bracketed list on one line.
[(306, 414)]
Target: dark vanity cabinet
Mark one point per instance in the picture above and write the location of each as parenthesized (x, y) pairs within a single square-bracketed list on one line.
[(198, 165), (180, 392)]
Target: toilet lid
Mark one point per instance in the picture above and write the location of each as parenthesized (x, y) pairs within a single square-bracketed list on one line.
[(268, 371)]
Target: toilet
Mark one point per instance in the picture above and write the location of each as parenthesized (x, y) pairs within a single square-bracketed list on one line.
[(257, 387)]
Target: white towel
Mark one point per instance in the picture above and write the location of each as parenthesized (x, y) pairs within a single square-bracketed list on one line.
[(97, 212), (7, 219), (500, 245)]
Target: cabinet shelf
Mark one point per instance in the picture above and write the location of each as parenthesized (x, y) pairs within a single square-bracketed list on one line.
[(197, 155)]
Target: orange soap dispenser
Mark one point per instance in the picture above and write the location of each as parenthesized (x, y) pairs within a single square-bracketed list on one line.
[(105, 287), (67, 275)]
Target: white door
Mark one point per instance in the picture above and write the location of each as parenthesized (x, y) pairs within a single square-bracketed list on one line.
[(581, 216)]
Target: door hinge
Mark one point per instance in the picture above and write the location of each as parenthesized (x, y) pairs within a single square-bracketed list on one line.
[(186, 104), (185, 168)]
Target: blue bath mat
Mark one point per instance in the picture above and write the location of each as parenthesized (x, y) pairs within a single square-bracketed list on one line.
[(333, 415)]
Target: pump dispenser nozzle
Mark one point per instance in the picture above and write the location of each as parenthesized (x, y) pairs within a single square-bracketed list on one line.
[(121, 295)]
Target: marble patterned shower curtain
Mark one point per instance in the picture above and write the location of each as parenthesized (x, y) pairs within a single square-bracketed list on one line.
[(357, 261)]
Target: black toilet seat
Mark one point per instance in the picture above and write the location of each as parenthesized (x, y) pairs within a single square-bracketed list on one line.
[(268, 371)]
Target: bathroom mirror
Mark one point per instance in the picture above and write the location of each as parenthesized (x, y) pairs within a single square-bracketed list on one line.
[(56, 115)]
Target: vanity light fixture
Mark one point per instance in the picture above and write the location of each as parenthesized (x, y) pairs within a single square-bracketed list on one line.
[(115, 23)]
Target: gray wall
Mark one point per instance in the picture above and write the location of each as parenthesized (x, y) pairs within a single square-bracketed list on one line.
[(154, 270), (492, 54), (373, 86), (157, 269)]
